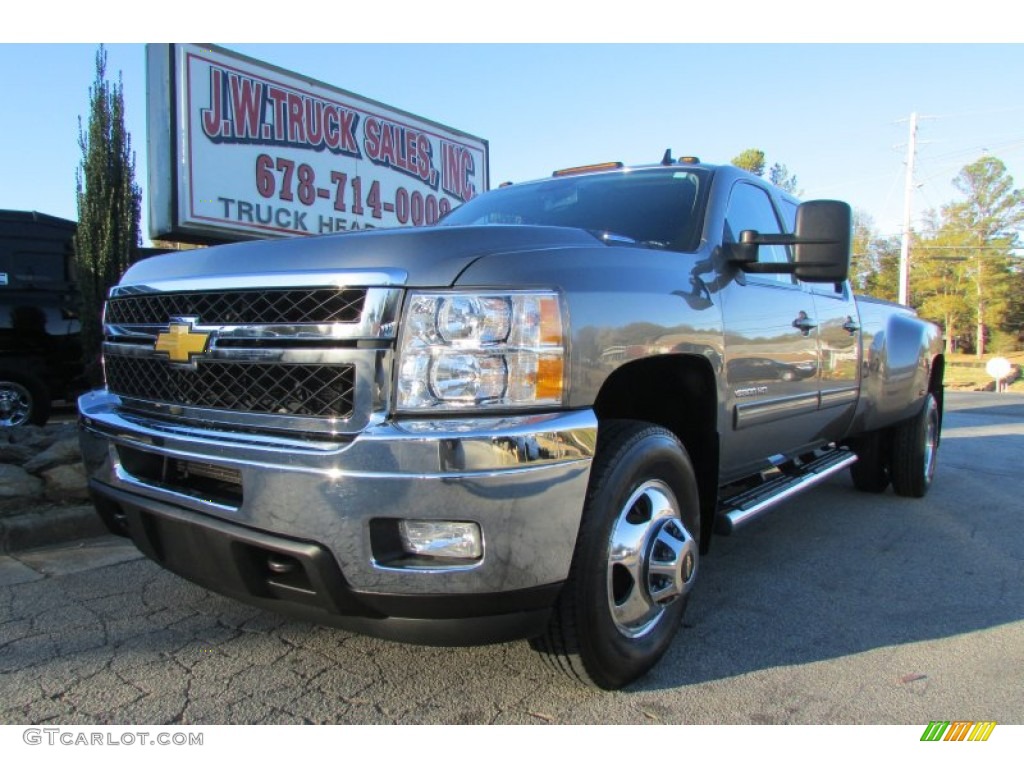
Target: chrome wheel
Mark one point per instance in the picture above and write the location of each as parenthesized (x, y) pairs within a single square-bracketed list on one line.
[(15, 404), (652, 559), (635, 559)]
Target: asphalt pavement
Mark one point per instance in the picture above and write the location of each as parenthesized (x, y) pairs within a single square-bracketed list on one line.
[(840, 607)]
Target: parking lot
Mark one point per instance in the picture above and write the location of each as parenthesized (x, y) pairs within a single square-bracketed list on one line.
[(840, 607)]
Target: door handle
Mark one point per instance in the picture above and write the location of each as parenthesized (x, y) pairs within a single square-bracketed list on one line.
[(851, 327)]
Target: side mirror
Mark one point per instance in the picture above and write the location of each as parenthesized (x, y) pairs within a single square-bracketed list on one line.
[(821, 244), (823, 236)]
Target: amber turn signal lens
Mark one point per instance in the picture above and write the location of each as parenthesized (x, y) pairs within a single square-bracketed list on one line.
[(550, 379)]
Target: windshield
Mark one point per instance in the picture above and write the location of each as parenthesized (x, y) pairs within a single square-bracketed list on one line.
[(657, 207)]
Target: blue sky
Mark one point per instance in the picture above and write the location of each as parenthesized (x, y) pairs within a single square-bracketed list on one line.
[(830, 112)]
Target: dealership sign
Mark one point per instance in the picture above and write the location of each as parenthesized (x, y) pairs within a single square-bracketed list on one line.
[(240, 149)]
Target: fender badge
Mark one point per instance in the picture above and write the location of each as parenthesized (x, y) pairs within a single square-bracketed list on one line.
[(180, 342), (751, 391)]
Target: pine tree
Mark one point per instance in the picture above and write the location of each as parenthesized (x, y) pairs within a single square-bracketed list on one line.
[(779, 175), (109, 207), (874, 269), (939, 279), (1011, 333), (965, 268), (992, 214), (753, 161)]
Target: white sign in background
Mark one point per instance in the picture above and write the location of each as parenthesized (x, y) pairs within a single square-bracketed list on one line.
[(999, 368), (263, 152)]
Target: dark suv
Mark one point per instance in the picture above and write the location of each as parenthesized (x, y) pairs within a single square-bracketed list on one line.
[(40, 348)]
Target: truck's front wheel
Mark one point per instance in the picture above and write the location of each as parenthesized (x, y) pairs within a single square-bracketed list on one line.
[(635, 560)]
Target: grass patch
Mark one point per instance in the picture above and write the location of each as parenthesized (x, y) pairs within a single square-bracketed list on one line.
[(968, 372)]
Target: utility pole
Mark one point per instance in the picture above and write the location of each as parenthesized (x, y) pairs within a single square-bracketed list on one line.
[(904, 293)]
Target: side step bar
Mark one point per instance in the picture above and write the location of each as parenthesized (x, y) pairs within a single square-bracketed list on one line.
[(745, 506)]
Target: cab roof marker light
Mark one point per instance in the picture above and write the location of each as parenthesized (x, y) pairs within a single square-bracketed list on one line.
[(588, 169)]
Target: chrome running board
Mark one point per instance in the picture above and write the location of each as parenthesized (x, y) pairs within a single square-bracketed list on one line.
[(740, 509)]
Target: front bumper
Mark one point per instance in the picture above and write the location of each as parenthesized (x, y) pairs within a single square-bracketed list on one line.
[(301, 526)]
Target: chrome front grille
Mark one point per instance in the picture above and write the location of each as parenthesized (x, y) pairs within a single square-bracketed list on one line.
[(288, 306), (254, 387), (275, 359)]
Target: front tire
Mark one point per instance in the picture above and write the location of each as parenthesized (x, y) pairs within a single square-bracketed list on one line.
[(635, 560), (915, 445)]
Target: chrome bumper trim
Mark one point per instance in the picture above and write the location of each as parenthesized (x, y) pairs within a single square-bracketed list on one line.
[(522, 479)]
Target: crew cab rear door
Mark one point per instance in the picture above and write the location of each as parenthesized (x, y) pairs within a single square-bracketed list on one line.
[(839, 346)]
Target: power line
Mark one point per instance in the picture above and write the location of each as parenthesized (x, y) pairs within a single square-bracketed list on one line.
[(980, 112), (988, 148), (962, 248)]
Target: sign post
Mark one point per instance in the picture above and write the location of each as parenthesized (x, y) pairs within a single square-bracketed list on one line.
[(999, 368)]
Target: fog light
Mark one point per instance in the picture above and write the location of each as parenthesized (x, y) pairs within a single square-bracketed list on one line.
[(441, 538)]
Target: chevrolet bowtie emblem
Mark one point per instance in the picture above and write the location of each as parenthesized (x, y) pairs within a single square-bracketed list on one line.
[(180, 342)]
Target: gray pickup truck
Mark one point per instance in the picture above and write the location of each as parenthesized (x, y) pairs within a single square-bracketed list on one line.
[(524, 422)]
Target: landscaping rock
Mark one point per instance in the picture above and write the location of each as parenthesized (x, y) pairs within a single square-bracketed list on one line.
[(66, 483), (64, 451), (31, 436), (11, 453), (18, 487), (43, 487)]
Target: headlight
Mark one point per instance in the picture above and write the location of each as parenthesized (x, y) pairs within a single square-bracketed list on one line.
[(481, 350)]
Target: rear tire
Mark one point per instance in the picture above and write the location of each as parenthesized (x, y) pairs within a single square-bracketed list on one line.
[(635, 560), (915, 445), (871, 472)]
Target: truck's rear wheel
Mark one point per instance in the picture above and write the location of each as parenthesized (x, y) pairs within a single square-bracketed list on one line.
[(871, 472), (635, 560), (915, 444)]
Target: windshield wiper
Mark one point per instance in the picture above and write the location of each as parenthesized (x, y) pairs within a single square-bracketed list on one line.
[(614, 238), (611, 238)]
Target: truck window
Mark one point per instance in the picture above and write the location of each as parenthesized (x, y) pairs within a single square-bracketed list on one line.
[(788, 210), (750, 207), (38, 269), (659, 208)]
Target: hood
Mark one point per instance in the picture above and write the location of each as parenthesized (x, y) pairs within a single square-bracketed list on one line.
[(424, 257)]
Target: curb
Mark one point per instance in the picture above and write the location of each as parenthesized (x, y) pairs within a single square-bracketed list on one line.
[(49, 525)]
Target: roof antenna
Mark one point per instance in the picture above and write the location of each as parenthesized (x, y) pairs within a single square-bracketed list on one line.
[(667, 159)]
